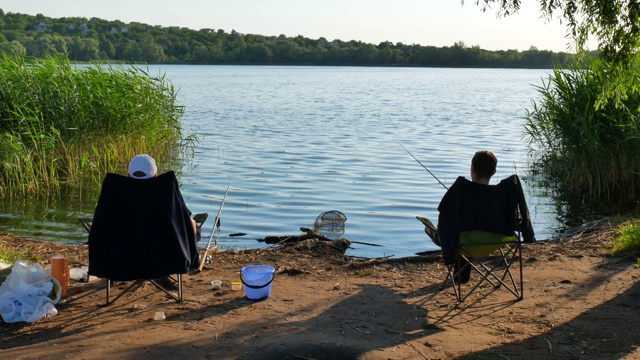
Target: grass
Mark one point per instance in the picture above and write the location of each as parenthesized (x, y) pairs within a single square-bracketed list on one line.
[(9, 255), (64, 123), (588, 148), (627, 238)]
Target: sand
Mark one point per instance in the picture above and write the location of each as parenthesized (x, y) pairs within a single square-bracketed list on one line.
[(579, 303)]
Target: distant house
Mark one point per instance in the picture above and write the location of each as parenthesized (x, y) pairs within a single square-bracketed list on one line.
[(334, 44), (84, 29), (41, 27), (114, 31), (71, 26), (321, 43)]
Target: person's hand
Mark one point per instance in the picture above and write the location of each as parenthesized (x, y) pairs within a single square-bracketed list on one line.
[(428, 231), (433, 235)]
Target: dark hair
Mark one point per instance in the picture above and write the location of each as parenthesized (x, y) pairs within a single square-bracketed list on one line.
[(484, 163)]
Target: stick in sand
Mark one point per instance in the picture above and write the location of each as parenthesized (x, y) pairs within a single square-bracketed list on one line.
[(216, 225)]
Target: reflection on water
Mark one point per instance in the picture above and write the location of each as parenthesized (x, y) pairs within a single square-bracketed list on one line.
[(305, 140), (54, 218)]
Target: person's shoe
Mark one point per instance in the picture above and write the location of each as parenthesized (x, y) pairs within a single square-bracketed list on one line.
[(465, 274)]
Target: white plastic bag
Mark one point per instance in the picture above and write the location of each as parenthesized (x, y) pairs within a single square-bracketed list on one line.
[(25, 295)]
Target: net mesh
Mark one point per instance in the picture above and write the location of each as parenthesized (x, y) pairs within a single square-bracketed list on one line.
[(330, 223)]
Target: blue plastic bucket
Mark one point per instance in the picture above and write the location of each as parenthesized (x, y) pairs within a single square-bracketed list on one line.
[(257, 281)]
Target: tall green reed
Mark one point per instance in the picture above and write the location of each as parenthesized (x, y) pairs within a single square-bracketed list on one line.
[(589, 148), (60, 122)]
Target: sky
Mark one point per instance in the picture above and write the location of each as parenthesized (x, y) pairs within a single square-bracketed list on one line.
[(425, 22)]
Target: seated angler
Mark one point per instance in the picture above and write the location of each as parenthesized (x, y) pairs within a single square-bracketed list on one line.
[(476, 205)]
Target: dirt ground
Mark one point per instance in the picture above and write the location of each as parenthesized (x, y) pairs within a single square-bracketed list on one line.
[(579, 303)]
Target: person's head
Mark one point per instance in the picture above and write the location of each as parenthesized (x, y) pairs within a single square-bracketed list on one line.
[(142, 167), (483, 166)]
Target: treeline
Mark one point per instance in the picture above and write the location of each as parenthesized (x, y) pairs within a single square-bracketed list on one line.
[(94, 39)]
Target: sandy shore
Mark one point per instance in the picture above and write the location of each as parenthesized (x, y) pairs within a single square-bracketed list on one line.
[(579, 303)]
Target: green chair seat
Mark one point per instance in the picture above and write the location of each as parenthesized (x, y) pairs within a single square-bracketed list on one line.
[(479, 243)]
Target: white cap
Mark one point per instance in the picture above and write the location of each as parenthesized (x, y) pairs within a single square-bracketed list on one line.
[(142, 167)]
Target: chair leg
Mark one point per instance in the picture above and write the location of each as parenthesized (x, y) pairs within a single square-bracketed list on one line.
[(507, 258), (512, 254), (109, 302), (108, 292), (451, 278), (178, 297)]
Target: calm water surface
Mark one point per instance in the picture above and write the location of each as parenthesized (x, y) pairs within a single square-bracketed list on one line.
[(304, 140)]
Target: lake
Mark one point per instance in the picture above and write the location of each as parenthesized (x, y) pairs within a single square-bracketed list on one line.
[(300, 141)]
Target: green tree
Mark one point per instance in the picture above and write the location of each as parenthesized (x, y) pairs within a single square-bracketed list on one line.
[(259, 53), (151, 52), (83, 49), (13, 47), (615, 24), (106, 46), (367, 54)]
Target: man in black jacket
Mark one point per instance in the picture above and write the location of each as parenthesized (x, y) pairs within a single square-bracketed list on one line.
[(476, 205)]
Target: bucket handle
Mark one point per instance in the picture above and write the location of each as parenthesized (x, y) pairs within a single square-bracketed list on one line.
[(256, 286)]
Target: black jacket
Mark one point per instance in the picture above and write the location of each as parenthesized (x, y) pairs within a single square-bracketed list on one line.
[(472, 206), (141, 230)]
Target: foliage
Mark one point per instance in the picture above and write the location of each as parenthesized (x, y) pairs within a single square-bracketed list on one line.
[(615, 24), (592, 152), (93, 39), (60, 123), (627, 238), (10, 255)]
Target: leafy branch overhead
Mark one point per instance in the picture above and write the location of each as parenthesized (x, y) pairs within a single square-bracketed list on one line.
[(615, 23)]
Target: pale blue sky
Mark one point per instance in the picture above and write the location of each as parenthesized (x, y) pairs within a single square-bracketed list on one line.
[(424, 22)]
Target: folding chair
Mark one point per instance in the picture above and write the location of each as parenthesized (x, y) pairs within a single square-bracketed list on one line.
[(141, 231), (474, 252), (199, 218), (482, 227), (86, 223)]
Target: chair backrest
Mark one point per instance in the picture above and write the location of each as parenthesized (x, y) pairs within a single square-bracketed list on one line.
[(470, 206), (141, 230)]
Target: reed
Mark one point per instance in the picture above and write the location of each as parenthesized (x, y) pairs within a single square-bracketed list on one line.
[(60, 122), (587, 147)]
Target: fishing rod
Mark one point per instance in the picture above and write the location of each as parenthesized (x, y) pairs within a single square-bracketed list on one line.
[(216, 225), (416, 159)]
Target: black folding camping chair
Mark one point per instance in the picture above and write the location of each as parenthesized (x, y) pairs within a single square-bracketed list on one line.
[(141, 231), (485, 225)]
